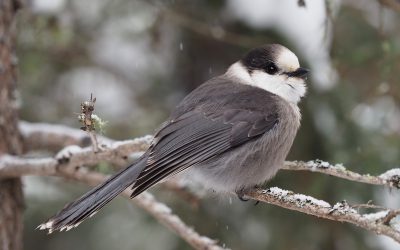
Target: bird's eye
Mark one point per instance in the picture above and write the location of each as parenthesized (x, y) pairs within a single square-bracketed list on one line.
[(271, 68)]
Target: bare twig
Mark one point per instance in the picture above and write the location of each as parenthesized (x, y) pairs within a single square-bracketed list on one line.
[(339, 212), (158, 210)]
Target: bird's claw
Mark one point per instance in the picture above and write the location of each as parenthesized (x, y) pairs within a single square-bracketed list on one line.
[(241, 194)]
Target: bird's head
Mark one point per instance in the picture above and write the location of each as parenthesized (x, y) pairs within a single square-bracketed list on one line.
[(274, 68)]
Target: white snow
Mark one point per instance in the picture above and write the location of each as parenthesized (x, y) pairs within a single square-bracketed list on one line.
[(324, 164), (161, 208), (300, 199), (314, 165), (395, 223), (157, 207), (317, 164), (275, 191), (68, 151), (28, 128), (376, 216), (390, 174), (147, 139), (144, 139), (343, 208), (340, 166), (308, 199)]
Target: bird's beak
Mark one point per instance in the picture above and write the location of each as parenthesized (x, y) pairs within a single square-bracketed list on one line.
[(300, 73)]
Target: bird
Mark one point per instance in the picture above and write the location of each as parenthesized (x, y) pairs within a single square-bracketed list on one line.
[(231, 134)]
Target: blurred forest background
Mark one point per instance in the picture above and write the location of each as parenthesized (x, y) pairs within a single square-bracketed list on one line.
[(140, 58)]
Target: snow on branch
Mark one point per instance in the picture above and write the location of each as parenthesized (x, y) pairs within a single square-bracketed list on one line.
[(46, 136), (380, 222), (71, 158), (67, 162), (157, 209), (51, 137), (390, 178), (54, 137)]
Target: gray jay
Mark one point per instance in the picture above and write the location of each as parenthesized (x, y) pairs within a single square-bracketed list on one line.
[(231, 133)]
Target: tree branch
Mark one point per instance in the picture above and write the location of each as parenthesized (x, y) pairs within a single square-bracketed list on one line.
[(341, 211), (376, 222), (390, 178), (157, 209), (72, 157), (67, 162), (51, 137), (45, 136)]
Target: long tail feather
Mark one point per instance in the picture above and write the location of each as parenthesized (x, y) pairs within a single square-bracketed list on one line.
[(87, 205)]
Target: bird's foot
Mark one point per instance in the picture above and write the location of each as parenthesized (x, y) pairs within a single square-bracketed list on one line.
[(241, 194)]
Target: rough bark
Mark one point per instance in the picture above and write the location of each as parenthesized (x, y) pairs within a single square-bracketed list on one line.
[(11, 197)]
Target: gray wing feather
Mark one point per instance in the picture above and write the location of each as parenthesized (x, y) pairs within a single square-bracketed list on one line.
[(198, 136), (188, 158)]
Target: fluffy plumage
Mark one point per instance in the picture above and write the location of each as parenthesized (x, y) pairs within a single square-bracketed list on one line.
[(231, 133)]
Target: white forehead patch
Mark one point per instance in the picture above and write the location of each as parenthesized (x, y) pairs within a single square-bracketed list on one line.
[(287, 60), (289, 88)]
